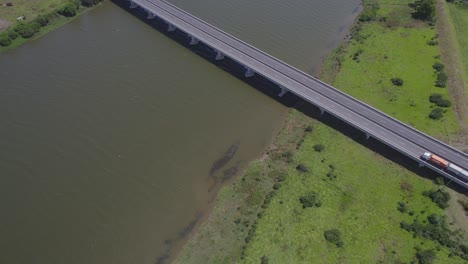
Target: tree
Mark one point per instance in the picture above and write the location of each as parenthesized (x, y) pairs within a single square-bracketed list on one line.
[(424, 9)]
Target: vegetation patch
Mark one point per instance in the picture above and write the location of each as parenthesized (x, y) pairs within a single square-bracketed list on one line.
[(50, 18), (439, 197)]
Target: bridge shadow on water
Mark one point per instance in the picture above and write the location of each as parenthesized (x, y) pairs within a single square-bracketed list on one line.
[(289, 100)]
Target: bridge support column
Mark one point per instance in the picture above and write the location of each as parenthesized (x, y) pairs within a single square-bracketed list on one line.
[(219, 55), (322, 111), (367, 136), (171, 27), (283, 91), (150, 15), (249, 72), (193, 40), (133, 5), (421, 164)]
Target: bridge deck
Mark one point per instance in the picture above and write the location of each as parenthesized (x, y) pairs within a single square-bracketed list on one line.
[(373, 122)]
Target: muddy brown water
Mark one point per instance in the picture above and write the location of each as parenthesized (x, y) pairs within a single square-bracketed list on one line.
[(114, 138)]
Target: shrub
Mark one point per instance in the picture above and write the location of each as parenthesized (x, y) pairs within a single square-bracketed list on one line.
[(264, 260), (288, 155), (69, 10), (441, 79), (426, 256), (310, 199), (333, 236), (439, 197), (27, 30), (424, 9), (436, 113), (308, 129), (397, 81), (5, 41), (438, 99), (319, 147), (302, 168), (42, 20), (370, 11), (402, 207), (432, 42), (438, 66), (12, 34), (89, 3)]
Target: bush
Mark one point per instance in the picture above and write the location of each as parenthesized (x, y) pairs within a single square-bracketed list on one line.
[(319, 147), (264, 260), (5, 41), (12, 34), (436, 113), (69, 10), (426, 256), (402, 207), (27, 30), (438, 66), (397, 81), (370, 11), (432, 42), (42, 20), (308, 129), (424, 9), (89, 3), (439, 197), (334, 236), (438, 99), (310, 200), (441, 79), (302, 168)]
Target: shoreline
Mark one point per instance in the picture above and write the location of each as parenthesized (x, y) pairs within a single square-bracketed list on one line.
[(56, 24), (212, 230), (342, 38)]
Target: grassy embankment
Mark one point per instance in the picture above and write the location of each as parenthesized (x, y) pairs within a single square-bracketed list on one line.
[(259, 217), (32, 10), (452, 25)]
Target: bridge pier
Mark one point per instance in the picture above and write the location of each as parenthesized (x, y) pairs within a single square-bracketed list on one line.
[(283, 91), (193, 40), (249, 72), (219, 55), (170, 27), (150, 15), (368, 135), (133, 5), (421, 164), (322, 111)]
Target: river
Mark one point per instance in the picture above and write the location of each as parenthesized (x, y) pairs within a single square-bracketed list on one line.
[(114, 138)]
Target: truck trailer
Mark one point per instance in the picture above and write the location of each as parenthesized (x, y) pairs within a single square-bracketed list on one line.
[(444, 164)]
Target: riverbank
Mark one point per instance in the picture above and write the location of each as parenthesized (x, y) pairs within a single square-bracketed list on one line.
[(322, 175), (39, 18)]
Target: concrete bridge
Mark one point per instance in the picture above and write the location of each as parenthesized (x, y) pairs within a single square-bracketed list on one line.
[(372, 122)]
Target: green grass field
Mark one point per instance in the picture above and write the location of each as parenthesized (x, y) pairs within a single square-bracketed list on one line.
[(459, 15), (362, 201), (388, 50)]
